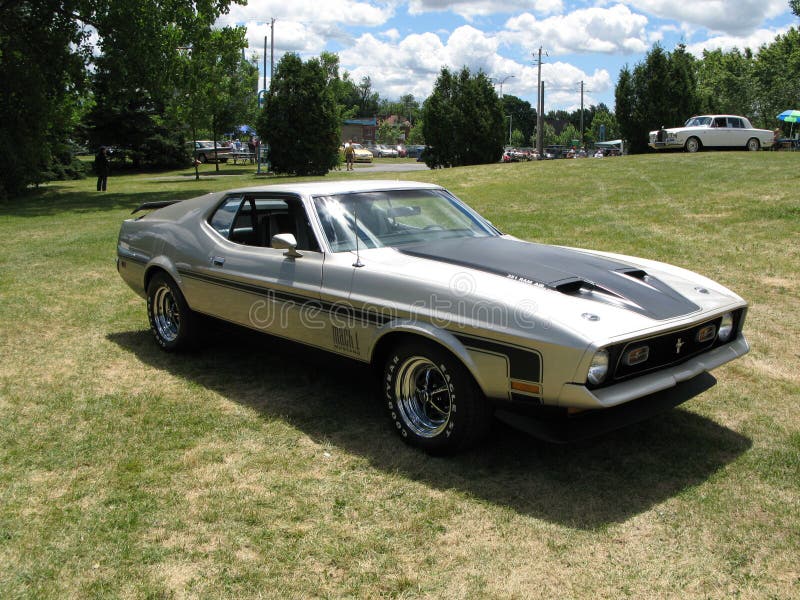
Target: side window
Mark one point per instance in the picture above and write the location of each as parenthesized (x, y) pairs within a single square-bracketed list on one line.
[(253, 220), (735, 123), (222, 219)]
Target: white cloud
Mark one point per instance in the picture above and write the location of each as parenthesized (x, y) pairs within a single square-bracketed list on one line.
[(413, 64), (727, 42), (469, 9), (596, 30), (359, 13), (734, 17), (392, 34)]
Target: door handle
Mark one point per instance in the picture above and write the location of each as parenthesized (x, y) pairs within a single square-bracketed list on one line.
[(217, 261)]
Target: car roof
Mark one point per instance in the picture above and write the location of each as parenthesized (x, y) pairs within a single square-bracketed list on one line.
[(320, 188)]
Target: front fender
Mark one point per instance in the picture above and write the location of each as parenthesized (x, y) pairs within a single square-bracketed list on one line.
[(491, 371)]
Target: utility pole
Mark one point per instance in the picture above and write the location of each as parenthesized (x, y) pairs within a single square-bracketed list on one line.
[(271, 48), (540, 107), (265, 63), (582, 91)]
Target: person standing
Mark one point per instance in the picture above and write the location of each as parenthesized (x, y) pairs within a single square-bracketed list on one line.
[(349, 154), (101, 168)]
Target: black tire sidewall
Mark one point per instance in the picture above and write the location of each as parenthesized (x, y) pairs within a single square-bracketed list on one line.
[(464, 425), (185, 326)]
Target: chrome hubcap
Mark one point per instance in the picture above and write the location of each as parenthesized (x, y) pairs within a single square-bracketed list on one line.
[(423, 397), (166, 315)]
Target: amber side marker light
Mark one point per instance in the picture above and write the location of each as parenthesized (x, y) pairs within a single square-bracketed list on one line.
[(530, 388)]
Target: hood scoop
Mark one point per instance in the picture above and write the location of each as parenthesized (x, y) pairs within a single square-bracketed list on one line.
[(570, 272)]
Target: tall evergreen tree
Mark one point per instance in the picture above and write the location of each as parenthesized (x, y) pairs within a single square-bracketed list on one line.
[(661, 91), (300, 121), (463, 121)]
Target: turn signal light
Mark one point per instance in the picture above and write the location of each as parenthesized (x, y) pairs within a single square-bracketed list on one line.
[(706, 334), (637, 356)]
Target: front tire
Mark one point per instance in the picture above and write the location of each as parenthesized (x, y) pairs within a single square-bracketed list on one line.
[(433, 400), (753, 145), (172, 322), (692, 145)]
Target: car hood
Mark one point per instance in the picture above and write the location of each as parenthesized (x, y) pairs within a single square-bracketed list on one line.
[(572, 272)]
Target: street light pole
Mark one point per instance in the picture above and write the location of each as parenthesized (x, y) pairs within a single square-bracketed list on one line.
[(509, 128), (506, 78)]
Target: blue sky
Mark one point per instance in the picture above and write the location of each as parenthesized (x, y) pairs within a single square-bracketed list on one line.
[(401, 45)]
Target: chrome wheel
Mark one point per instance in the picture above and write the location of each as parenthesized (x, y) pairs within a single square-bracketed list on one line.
[(423, 396), (692, 144), (166, 314), (753, 145)]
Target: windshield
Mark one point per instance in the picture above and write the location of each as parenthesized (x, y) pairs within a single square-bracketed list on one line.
[(698, 122), (396, 218)]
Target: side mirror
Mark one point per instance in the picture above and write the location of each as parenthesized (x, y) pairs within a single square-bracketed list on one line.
[(286, 241)]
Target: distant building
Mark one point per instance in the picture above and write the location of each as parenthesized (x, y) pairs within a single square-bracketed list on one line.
[(359, 130), (365, 129)]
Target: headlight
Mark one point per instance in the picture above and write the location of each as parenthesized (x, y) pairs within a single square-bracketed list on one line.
[(725, 328), (599, 367)]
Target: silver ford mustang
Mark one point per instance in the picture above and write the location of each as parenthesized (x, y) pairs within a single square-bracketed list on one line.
[(462, 323)]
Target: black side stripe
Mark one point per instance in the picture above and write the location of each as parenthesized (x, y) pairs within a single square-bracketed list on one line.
[(342, 310), (524, 364)]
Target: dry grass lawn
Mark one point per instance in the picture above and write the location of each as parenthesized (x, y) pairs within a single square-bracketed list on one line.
[(253, 468)]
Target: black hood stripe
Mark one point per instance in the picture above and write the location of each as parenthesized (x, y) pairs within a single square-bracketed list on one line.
[(571, 272)]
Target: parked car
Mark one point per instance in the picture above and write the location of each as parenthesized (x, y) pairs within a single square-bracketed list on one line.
[(555, 151), (361, 154), (204, 151), (461, 321), (712, 131), (414, 151), (387, 151)]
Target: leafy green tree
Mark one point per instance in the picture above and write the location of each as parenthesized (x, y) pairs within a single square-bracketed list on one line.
[(548, 135), (777, 73), (463, 121), (42, 56), (416, 135), (523, 116), (606, 119), (300, 121), (569, 136), (517, 138), (795, 6), (138, 71), (221, 84), (387, 133), (725, 82)]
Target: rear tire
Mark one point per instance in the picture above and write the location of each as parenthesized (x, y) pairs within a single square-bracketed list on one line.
[(753, 145), (433, 400), (173, 323), (692, 145)]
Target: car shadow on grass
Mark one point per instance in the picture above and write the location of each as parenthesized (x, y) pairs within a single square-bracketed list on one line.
[(584, 485)]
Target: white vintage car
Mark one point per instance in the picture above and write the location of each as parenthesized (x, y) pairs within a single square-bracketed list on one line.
[(712, 131), (461, 322)]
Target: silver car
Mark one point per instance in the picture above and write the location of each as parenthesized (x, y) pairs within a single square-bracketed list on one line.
[(462, 322)]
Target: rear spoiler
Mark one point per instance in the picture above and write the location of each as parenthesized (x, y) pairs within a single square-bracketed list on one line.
[(154, 205)]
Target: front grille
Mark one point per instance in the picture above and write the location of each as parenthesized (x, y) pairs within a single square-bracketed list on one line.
[(667, 349)]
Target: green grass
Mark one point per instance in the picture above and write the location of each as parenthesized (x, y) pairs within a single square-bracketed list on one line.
[(254, 468)]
